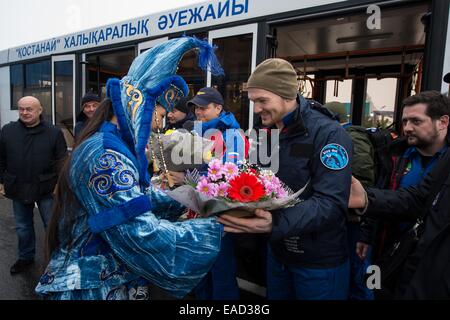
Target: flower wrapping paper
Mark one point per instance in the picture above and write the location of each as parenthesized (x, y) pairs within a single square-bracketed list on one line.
[(176, 144), (208, 206)]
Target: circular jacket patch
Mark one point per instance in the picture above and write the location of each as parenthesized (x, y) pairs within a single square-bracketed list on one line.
[(334, 156)]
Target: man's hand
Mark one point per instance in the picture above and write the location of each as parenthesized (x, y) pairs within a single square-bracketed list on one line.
[(362, 249), (357, 198), (260, 223), (2, 189)]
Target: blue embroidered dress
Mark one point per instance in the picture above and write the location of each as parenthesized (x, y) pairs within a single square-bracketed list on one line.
[(123, 233)]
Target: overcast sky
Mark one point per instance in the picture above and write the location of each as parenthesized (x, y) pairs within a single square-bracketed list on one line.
[(26, 21)]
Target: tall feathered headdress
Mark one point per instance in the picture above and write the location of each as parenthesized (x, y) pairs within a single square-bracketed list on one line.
[(152, 79)]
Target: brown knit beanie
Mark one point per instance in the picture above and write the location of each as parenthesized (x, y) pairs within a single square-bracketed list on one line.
[(277, 76)]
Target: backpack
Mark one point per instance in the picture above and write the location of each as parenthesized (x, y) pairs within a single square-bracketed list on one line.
[(363, 164), (372, 163), (386, 143)]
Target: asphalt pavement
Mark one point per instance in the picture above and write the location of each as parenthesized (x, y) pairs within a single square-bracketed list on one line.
[(20, 286)]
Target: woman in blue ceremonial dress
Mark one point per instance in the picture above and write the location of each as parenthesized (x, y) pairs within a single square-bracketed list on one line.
[(112, 232)]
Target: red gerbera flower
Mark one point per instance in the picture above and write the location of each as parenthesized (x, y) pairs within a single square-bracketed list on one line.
[(245, 188)]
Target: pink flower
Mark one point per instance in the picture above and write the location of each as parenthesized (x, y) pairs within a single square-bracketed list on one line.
[(280, 193), (273, 187), (276, 181), (215, 170), (209, 189), (230, 170), (222, 189), (270, 189)]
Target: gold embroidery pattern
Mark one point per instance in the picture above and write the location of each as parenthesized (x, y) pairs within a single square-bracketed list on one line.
[(172, 96), (135, 99)]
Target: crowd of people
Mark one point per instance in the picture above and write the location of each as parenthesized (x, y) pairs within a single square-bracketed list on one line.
[(111, 232)]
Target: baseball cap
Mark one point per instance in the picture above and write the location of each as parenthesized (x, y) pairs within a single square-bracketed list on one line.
[(206, 96)]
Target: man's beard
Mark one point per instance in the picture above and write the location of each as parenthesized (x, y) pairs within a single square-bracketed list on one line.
[(418, 142)]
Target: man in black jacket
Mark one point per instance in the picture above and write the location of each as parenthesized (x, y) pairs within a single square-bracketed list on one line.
[(426, 273), (31, 151), (308, 250)]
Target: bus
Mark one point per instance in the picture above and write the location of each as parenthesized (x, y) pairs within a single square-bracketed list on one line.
[(362, 57)]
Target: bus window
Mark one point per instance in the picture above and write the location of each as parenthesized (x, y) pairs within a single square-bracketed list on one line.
[(189, 70), (237, 68), (306, 86), (64, 96), (379, 105), (339, 98), (105, 65), (32, 79)]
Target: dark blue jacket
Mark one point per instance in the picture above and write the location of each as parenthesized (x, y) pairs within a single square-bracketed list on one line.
[(236, 146), (313, 147)]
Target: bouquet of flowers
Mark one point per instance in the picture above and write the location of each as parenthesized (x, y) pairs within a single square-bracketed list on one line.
[(179, 150), (240, 188)]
